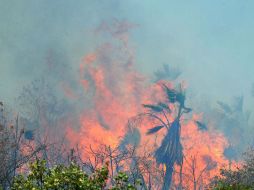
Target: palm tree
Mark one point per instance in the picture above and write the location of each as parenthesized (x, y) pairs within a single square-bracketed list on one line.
[(170, 151), (234, 121)]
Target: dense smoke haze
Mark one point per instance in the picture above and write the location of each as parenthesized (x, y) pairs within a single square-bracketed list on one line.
[(87, 70), (211, 42)]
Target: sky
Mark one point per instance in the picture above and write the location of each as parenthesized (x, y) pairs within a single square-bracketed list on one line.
[(212, 42)]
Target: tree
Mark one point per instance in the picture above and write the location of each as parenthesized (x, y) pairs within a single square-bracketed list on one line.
[(167, 72), (136, 166), (194, 175), (44, 112), (69, 177), (239, 178), (234, 121), (39, 103), (170, 151), (15, 149)]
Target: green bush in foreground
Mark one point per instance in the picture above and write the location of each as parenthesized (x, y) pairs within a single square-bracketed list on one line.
[(239, 178), (224, 186), (67, 178)]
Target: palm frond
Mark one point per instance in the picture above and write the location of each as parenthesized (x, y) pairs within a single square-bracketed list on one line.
[(154, 130), (171, 94), (201, 126), (167, 73), (225, 107), (164, 106), (180, 98), (187, 110), (153, 107)]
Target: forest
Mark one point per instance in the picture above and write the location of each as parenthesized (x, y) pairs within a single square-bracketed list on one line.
[(134, 134), (126, 95)]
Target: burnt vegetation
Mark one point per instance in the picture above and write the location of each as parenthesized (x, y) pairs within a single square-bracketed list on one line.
[(35, 154), (170, 152)]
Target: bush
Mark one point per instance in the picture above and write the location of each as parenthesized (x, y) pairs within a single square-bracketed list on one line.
[(241, 178), (69, 177)]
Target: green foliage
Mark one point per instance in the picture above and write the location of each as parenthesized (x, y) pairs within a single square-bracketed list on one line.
[(224, 186), (122, 182), (234, 180), (69, 177), (241, 178)]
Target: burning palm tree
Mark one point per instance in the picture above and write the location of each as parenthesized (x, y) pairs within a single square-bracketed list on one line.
[(170, 151)]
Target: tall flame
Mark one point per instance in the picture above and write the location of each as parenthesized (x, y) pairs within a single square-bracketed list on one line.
[(116, 93)]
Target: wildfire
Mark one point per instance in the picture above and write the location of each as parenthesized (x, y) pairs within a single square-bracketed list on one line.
[(116, 93)]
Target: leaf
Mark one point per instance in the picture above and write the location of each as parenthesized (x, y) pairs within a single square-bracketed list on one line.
[(226, 108), (201, 126), (164, 106), (171, 94), (154, 130), (180, 98), (153, 107), (187, 110), (167, 73)]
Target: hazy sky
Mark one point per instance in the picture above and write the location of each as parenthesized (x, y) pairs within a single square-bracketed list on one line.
[(212, 41)]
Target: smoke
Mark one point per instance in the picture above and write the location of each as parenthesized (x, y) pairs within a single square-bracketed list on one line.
[(214, 50), (100, 59)]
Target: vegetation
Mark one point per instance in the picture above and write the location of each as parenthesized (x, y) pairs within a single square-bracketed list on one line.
[(54, 166), (69, 177), (240, 178), (235, 122), (15, 149), (170, 151), (167, 72)]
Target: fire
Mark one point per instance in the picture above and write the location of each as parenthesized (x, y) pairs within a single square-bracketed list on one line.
[(203, 152), (116, 93), (115, 97)]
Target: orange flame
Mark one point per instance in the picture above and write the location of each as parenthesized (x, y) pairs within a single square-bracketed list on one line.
[(116, 92)]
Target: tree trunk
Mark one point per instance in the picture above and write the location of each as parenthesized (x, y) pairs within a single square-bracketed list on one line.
[(181, 177), (167, 178)]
